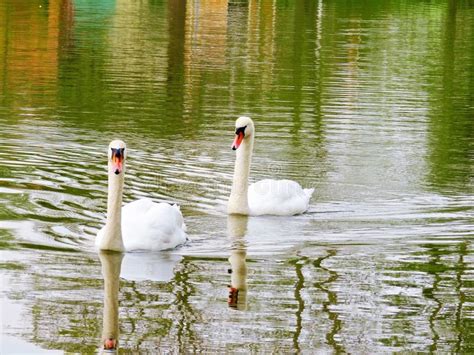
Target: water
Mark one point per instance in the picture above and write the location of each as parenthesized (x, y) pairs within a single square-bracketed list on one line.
[(370, 102)]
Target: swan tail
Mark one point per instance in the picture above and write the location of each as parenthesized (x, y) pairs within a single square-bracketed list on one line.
[(308, 192), (183, 226)]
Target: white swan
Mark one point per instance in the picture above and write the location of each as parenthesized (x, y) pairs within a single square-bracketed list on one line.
[(141, 224), (265, 197)]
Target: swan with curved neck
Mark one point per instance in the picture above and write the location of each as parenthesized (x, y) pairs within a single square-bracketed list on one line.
[(265, 197), (141, 224)]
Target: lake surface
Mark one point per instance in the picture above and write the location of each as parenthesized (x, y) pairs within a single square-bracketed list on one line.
[(369, 102)]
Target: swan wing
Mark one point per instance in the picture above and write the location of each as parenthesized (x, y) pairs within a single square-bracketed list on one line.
[(278, 197), (147, 225)]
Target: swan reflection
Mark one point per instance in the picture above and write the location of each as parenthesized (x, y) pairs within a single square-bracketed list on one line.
[(236, 230), (130, 267), (142, 266), (111, 265)]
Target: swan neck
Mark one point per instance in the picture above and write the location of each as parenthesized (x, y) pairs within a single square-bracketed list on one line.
[(112, 239), (238, 201)]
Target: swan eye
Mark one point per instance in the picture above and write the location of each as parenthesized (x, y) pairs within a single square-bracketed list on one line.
[(240, 130)]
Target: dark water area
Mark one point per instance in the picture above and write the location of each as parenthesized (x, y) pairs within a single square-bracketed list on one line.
[(369, 102)]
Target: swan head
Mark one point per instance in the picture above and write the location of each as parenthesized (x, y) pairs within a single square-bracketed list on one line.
[(117, 155), (243, 130)]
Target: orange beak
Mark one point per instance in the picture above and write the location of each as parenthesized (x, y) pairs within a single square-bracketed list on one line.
[(233, 298), (110, 344), (117, 165), (239, 137), (117, 160)]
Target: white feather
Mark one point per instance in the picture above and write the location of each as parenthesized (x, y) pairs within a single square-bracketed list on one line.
[(141, 224), (147, 225), (265, 197), (278, 197)]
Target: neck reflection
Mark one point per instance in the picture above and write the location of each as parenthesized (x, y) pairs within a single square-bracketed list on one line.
[(236, 230), (111, 265)]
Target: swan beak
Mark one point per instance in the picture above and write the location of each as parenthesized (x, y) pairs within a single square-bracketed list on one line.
[(233, 298), (239, 137), (117, 166), (117, 160)]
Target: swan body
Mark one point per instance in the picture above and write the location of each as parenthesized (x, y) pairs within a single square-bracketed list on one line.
[(278, 197), (147, 225), (158, 226), (265, 197), (141, 224)]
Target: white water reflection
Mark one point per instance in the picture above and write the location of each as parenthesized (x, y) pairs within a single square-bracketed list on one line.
[(142, 266)]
